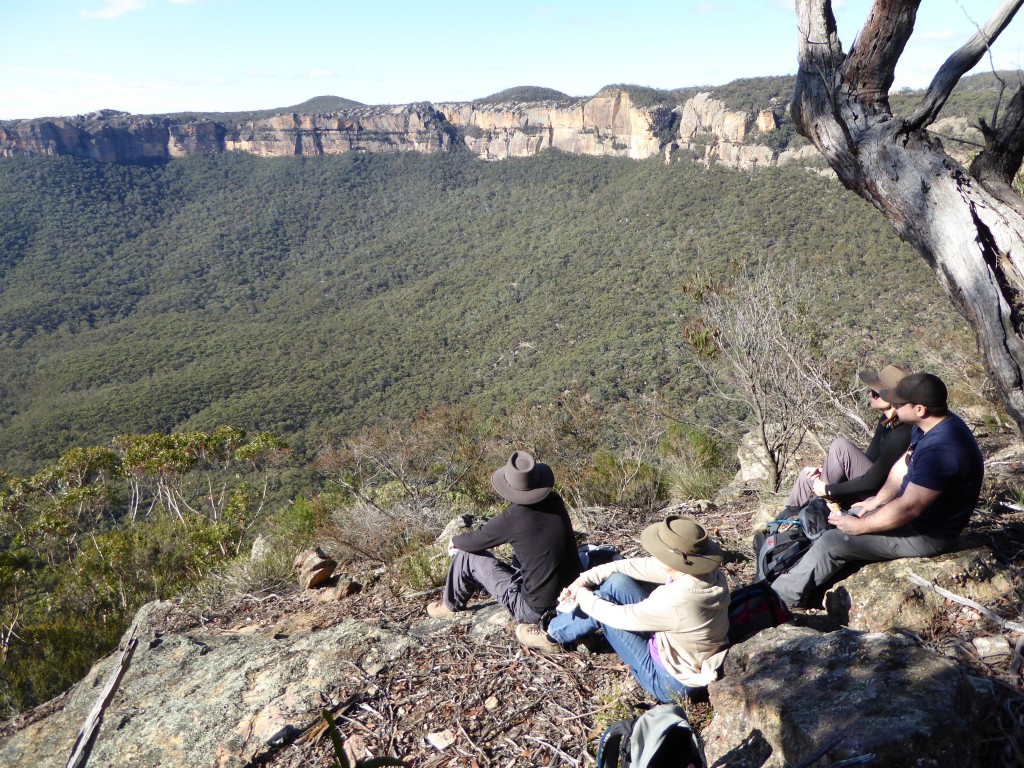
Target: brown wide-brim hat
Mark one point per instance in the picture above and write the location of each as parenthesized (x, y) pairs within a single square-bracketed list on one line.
[(683, 544), (523, 479), (887, 378)]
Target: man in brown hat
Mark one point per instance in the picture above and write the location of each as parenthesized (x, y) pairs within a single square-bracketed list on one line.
[(849, 474), (537, 526), (919, 512), (666, 615)]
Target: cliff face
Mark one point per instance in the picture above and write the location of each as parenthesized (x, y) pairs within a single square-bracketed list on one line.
[(118, 137), (608, 124)]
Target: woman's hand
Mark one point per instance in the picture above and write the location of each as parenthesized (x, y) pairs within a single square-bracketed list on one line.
[(569, 593)]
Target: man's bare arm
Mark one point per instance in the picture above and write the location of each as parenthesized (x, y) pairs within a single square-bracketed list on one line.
[(900, 511), (889, 490)]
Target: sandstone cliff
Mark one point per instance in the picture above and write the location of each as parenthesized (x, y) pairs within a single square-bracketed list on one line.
[(608, 124), (702, 129)]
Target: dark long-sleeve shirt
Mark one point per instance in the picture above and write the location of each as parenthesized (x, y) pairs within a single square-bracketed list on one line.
[(542, 538), (885, 449)]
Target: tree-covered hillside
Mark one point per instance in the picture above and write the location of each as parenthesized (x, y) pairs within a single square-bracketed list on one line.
[(306, 297)]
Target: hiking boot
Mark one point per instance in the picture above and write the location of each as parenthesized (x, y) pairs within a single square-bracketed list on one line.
[(436, 609), (532, 636)]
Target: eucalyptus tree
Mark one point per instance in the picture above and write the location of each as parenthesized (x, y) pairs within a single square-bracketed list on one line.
[(967, 222)]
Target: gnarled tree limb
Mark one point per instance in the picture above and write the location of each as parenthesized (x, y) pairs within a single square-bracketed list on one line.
[(871, 65), (960, 63)]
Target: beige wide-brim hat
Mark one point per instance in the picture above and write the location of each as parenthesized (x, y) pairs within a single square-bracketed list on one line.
[(887, 378), (523, 479), (683, 544)]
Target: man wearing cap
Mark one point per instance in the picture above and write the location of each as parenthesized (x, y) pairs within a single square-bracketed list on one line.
[(537, 526), (849, 474), (919, 512), (666, 615)]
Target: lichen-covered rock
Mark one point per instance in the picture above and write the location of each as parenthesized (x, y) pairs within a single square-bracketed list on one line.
[(789, 691), (880, 596), (207, 698)]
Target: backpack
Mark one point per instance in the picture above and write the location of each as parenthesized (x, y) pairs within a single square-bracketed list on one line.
[(659, 738), (753, 608), (592, 555), (785, 540)]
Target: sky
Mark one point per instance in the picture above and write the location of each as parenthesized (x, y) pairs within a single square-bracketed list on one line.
[(70, 57)]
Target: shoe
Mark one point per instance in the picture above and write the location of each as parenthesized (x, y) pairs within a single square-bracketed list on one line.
[(436, 609), (532, 636)]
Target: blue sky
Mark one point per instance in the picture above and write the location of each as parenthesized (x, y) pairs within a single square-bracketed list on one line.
[(67, 57)]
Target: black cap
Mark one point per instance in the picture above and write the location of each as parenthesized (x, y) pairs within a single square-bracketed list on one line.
[(924, 389)]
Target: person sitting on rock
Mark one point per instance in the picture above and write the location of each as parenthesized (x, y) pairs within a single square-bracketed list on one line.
[(666, 615), (849, 474), (537, 525), (919, 512)]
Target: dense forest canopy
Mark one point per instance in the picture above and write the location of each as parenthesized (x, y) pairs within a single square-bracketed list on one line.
[(308, 296)]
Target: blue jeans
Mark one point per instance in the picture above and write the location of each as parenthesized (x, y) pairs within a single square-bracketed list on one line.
[(633, 647)]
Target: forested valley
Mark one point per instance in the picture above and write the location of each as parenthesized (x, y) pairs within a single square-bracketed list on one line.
[(198, 352)]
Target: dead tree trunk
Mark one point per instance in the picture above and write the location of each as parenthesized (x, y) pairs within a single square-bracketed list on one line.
[(967, 223)]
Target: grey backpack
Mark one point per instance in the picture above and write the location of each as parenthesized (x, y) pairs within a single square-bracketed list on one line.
[(661, 737)]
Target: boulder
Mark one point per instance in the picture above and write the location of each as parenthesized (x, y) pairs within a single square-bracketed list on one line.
[(789, 691), (880, 596), (458, 524), (314, 567)]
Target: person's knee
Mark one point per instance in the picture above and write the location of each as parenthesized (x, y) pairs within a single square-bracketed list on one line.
[(841, 444), (620, 588)]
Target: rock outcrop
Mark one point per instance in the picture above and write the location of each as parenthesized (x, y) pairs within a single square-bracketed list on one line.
[(880, 595), (206, 696), (789, 691), (210, 698)]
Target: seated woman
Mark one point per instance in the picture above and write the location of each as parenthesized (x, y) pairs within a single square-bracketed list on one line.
[(850, 474), (667, 615)]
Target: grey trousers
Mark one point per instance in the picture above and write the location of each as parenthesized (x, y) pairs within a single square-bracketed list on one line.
[(844, 461), (835, 549), (471, 571)]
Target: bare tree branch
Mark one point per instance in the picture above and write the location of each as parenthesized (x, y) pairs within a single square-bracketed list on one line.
[(870, 67), (960, 63)]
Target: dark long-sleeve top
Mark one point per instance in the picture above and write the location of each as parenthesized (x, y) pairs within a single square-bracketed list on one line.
[(886, 447), (542, 538)]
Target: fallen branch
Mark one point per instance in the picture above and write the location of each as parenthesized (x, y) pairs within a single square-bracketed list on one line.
[(554, 749), (1004, 623), (83, 744)]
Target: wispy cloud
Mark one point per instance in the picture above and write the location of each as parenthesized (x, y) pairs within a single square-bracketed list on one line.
[(320, 73), (705, 7), (114, 9)]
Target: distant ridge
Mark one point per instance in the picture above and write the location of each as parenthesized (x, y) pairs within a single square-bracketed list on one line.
[(524, 93), (321, 104)]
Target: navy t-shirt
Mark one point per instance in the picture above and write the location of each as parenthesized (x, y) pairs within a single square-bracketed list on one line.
[(946, 458)]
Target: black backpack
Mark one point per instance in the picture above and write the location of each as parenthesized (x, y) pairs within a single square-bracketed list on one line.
[(662, 737), (784, 541), (753, 608)]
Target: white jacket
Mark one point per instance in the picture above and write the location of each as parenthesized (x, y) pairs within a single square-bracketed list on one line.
[(689, 616)]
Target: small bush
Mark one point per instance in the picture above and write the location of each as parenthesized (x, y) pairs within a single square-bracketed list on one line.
[(424, 568), (695, 462)]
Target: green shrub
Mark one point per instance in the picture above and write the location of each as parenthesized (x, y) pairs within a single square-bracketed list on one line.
[(425, 567), (695, 461)]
